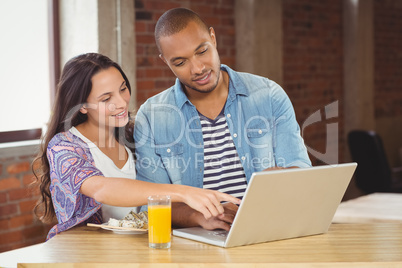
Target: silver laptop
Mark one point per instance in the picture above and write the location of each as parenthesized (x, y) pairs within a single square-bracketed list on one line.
[(282, 204)]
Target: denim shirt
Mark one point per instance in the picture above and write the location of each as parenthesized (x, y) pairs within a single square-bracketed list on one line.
[(260, 117)]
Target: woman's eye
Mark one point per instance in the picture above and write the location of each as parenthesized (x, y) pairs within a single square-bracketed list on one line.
[(105, 100), (123, 89), (205, 50)]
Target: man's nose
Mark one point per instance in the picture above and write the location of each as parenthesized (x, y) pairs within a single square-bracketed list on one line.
[(197, 67)]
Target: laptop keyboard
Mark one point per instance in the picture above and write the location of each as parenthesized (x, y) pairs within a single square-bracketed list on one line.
[(221, 233)]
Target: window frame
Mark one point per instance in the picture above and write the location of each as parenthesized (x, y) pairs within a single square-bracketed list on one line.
[(54, 58)]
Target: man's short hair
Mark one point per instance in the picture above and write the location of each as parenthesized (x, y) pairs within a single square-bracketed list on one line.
[(175, 20)]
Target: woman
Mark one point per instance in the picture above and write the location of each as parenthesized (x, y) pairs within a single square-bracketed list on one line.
[(86, 168)]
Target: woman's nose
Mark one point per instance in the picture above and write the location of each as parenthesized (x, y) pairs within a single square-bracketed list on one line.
[(118, 103)]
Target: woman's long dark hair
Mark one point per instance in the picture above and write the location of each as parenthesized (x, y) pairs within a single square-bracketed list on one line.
[(72, 91)]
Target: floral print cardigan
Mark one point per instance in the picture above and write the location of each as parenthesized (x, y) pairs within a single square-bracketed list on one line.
[(71, 163)]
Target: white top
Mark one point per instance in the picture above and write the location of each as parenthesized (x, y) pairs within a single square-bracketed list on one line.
[(109, 169)]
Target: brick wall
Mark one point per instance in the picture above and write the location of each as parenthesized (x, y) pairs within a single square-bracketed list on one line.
[(312, 78), (388, 58), (312, 64), (18, 225), (153, 76), (312, 54)]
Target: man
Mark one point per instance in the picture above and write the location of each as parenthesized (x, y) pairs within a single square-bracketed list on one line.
[(215, 126)]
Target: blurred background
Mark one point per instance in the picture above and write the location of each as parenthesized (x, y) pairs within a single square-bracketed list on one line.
[(340, 62)]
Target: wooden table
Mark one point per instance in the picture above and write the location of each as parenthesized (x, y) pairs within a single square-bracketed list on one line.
[(351, 245)]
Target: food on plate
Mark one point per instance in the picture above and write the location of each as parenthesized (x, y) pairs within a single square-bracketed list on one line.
[(132, 220)]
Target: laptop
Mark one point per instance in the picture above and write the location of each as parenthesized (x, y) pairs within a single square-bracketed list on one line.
[(282, 204)]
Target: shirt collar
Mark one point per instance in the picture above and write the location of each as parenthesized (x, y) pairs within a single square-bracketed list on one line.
[(236, 87)]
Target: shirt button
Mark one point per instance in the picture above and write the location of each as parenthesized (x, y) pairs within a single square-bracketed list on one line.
[(260, 131), (168, 150), (243, 158), (235, 135), (228, 115)]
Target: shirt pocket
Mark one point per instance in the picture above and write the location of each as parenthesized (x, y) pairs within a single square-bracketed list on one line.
[(170, 151), (259, 136), (172, 159), (259, 139)]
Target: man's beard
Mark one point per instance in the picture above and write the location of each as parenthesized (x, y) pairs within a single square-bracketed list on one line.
[(208, 90)]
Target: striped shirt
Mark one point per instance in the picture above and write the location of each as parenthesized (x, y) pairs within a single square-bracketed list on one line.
[(223, 170)]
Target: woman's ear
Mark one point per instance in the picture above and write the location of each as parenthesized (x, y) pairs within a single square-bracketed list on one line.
[(83, 110)]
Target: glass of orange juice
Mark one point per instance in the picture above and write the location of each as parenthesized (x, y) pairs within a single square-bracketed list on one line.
[(159, 221)]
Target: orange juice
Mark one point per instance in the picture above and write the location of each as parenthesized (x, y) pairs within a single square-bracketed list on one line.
[(159, 224)]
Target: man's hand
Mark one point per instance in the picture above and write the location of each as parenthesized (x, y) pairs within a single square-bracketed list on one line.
[(185, 216), (222, 221)]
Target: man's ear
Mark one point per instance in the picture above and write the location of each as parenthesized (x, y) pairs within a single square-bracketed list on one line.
[(213, 36), (162, 58), (83, 110)]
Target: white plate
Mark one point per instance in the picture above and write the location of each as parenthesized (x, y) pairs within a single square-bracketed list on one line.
[(120, 231)]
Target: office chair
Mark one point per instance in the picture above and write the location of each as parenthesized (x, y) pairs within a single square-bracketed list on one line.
[(373, 173)]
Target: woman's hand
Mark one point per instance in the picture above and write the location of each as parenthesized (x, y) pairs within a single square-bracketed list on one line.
[(208, 202), (131, 193)]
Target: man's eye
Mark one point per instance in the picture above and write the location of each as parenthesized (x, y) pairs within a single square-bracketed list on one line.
[(179, 64), (205, 50)]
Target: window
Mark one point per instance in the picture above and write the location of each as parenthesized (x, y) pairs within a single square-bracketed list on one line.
[(25, 71)]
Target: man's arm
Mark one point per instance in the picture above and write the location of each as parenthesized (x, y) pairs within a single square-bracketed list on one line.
[(184, 216), (278, 168), (289, 148), (148, 164)]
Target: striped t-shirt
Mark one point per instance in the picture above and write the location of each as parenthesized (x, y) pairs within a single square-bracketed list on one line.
[(223, 170)]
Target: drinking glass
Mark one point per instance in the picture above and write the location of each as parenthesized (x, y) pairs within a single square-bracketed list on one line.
[(159, 221)]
